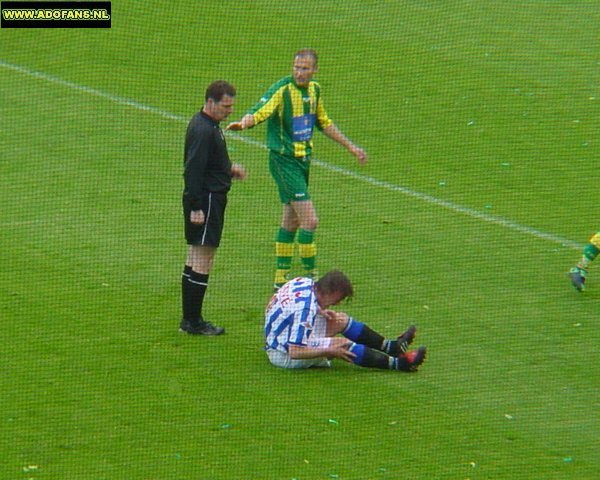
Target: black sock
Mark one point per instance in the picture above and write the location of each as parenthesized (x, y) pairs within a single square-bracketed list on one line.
[(371, 339), (391, 348), (371, 358), (360, 333), (193, 288)]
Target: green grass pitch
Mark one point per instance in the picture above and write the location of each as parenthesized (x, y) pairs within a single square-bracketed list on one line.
[(481, 120)]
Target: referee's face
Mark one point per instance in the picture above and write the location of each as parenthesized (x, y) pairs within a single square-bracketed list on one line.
[(222, 109)]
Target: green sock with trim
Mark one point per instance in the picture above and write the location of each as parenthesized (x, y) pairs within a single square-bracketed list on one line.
[(308, 251), (284, 251)]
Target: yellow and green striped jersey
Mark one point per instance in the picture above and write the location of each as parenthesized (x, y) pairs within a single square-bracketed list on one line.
[(292, 113)]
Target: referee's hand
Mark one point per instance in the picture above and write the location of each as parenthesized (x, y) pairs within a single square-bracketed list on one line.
[(238, 172), (197, 217)]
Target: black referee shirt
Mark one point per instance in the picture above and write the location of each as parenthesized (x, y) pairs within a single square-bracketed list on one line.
[(207, 167)]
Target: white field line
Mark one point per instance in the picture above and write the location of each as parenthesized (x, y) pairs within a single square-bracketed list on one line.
[(485, 217)]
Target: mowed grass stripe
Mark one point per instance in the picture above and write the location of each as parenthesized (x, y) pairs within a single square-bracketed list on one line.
[(496, 220)]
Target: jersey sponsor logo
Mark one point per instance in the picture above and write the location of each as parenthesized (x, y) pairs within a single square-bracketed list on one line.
[(303, 127), (285, 295)]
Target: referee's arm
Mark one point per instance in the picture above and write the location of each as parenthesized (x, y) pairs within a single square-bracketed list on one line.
[(196, 160)]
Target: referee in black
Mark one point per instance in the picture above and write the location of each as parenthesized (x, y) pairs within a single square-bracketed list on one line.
[(208, 172)]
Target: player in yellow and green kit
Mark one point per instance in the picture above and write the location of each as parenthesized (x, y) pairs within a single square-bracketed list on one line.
[(293, 107), (579, 272)]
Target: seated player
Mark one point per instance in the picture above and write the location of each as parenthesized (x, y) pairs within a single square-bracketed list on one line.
[(301, 332)]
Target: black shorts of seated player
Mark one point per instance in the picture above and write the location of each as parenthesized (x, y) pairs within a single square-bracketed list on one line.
[(209, 233), (207, 177)]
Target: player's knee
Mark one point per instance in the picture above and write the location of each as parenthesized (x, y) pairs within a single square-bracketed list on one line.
[(291, 225), (311, 223)]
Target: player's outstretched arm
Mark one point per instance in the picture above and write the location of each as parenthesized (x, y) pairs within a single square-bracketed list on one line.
[(247, 121), (333, 132)]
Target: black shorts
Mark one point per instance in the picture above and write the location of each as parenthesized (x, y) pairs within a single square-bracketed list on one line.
[(209, 233)]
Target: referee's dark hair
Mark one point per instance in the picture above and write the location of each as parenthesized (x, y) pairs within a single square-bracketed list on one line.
[(217, 89), (335, 282)]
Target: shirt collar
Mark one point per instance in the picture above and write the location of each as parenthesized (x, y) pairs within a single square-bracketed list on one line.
[(208, 117)]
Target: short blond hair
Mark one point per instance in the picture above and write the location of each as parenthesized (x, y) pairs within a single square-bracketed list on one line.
[(307, 52)]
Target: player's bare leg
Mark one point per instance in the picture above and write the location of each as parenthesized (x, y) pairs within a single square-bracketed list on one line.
[(307, 220)]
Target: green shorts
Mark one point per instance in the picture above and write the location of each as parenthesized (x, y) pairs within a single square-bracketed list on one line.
[(291, 176)]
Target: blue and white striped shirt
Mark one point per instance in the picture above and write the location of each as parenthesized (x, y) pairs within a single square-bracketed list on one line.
[(291, 314)]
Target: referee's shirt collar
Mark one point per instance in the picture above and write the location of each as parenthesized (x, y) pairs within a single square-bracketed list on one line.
[(208, 117)]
